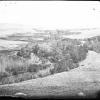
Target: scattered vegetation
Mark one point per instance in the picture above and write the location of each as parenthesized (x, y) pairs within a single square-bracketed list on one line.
[(64, 56), (3, 75), (67, 55), (93, 44)]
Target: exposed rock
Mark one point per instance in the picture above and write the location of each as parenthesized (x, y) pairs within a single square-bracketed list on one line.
[(20, 94), (81, 94)]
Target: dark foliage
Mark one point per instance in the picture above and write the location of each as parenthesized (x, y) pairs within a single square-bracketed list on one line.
[(3, 75), (16, 70), (35, 49), (64, 65), (8, 80), (33, 68), (93, 44)]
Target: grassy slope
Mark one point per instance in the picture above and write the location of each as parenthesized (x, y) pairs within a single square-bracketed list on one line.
[(65, 83)]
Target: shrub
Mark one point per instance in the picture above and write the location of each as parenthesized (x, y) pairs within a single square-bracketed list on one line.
[(96, 47), (3, 75), (24, 76), (24, 52), (45, 66), (16, 70), (98, 37), (35, 49), (19, 54), (63, 65), (16, 66), (53, 59), (74, 65), (18, 78), (93, 44), (10, 62), (8, 80), (88, 44), (44, 53), (78, 54), (33, 68)]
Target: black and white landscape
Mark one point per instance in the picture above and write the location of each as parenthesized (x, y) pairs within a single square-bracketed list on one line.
[(56, 59)]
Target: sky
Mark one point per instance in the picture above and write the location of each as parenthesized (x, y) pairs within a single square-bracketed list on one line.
[(51, 14)]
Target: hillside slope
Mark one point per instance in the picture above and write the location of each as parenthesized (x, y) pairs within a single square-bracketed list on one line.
[(84, 73), (84, 79)]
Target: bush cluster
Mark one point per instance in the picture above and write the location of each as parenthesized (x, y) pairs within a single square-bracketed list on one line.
[(64, 65), (65, 55), (93, 44), (26, 51), (3, 75), (18, 78)]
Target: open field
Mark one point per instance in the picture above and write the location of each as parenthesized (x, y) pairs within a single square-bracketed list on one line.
[(86, 33)]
